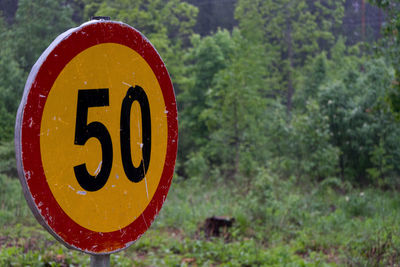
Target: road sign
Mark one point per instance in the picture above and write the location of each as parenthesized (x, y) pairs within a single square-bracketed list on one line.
[(96, 137)]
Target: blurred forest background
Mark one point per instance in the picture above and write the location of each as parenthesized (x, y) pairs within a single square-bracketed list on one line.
[(288, 122)]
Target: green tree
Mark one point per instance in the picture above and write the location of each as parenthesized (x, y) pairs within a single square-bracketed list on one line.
[(236, 112), (78, 8), (37, 23), (208, 57), (214, 15), (389, 47), (11, 83), (313, 75), (293, 31), (172, 19), (8, 8), (168, 25), (361, 126), (310, 154), (11, 87), (8, 165)]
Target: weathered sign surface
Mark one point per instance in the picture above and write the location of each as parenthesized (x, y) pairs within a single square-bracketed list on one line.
[(96, 137)]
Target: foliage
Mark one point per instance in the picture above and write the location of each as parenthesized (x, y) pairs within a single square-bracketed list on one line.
[(278, 222), (359, 120), (36, 24), (39, 22), (310, 152), (7, 159), (207, 57), (214, 15), (234, 115), (293, 32), (167, 24), (283, 126), (12, 202), (11, 84), (389, 48)]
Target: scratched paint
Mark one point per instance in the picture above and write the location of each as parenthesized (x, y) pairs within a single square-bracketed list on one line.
[(36, 126), (112, 64)]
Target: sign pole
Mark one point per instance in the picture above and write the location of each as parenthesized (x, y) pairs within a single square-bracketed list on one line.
[(100, 260)]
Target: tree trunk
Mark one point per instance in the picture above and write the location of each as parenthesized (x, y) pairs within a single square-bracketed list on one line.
[(341, 166), (237, 141), (290, 88), (363, 20), (380, 23)]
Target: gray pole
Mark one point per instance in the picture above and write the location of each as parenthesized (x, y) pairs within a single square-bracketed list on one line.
[(100, 260)]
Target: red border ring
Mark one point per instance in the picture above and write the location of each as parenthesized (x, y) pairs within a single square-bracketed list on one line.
[(27, 136)]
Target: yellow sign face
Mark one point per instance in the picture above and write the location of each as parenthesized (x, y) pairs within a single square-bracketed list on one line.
[(114, 69)]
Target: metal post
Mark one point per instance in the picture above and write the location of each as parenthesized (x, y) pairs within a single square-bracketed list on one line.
[(100, 260)]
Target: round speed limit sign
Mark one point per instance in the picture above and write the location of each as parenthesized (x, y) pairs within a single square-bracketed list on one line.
[(96, 137)]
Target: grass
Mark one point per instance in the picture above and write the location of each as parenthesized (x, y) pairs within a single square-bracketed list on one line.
[(278, 222)]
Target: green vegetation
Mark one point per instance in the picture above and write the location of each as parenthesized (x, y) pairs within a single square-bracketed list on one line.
[(289, 123), (278, 223)]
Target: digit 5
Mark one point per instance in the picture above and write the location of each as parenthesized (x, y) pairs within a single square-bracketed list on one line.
[(83, 132)]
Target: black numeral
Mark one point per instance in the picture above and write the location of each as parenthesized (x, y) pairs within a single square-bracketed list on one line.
[(84, 131), (135, 174)]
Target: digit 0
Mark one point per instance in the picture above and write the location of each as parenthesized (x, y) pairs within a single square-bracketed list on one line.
[(135, 174), (83, 132)]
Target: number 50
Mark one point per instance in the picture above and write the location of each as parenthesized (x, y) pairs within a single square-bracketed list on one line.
[(84, 131)]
